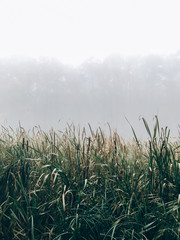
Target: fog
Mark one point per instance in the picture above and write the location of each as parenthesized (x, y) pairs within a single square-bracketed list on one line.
[(45, 92), (88, 61)]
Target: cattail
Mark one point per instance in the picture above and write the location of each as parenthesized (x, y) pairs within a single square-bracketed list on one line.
[(27, 146), (23, 143), (115, 147)]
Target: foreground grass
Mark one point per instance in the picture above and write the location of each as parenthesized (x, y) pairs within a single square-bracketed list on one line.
[(71, 186)]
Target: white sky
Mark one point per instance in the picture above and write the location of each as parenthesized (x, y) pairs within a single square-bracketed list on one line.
[(74, 30)]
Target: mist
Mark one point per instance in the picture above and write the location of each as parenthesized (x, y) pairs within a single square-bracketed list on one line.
[(45, 92)]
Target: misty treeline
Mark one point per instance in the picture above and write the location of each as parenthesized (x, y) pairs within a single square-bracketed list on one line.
[(36, 91)]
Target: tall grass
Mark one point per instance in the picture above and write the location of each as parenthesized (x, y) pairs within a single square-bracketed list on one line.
[(70, 185)]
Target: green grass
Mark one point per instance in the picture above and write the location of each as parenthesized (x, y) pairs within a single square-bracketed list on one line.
[(68, 185)]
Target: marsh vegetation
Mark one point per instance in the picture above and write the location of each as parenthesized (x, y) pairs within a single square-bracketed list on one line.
[(71, 185)]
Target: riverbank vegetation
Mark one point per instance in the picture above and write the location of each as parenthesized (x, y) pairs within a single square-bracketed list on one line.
[(71, 185)]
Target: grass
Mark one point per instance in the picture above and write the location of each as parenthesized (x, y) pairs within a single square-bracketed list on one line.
[(70, 185)]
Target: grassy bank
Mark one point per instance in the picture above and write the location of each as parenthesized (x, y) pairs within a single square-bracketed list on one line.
[(67, 185)]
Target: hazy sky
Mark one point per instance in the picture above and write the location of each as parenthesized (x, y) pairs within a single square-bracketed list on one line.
[(74, 30)]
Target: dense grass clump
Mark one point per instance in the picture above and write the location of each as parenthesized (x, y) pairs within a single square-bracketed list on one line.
[(68, 185)]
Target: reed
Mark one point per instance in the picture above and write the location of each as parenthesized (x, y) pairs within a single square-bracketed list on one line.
[(71, 185)]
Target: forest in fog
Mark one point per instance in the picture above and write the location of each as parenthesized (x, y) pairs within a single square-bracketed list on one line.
[(48, 93)]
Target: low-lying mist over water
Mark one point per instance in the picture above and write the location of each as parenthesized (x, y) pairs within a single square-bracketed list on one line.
[(48, 93)]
